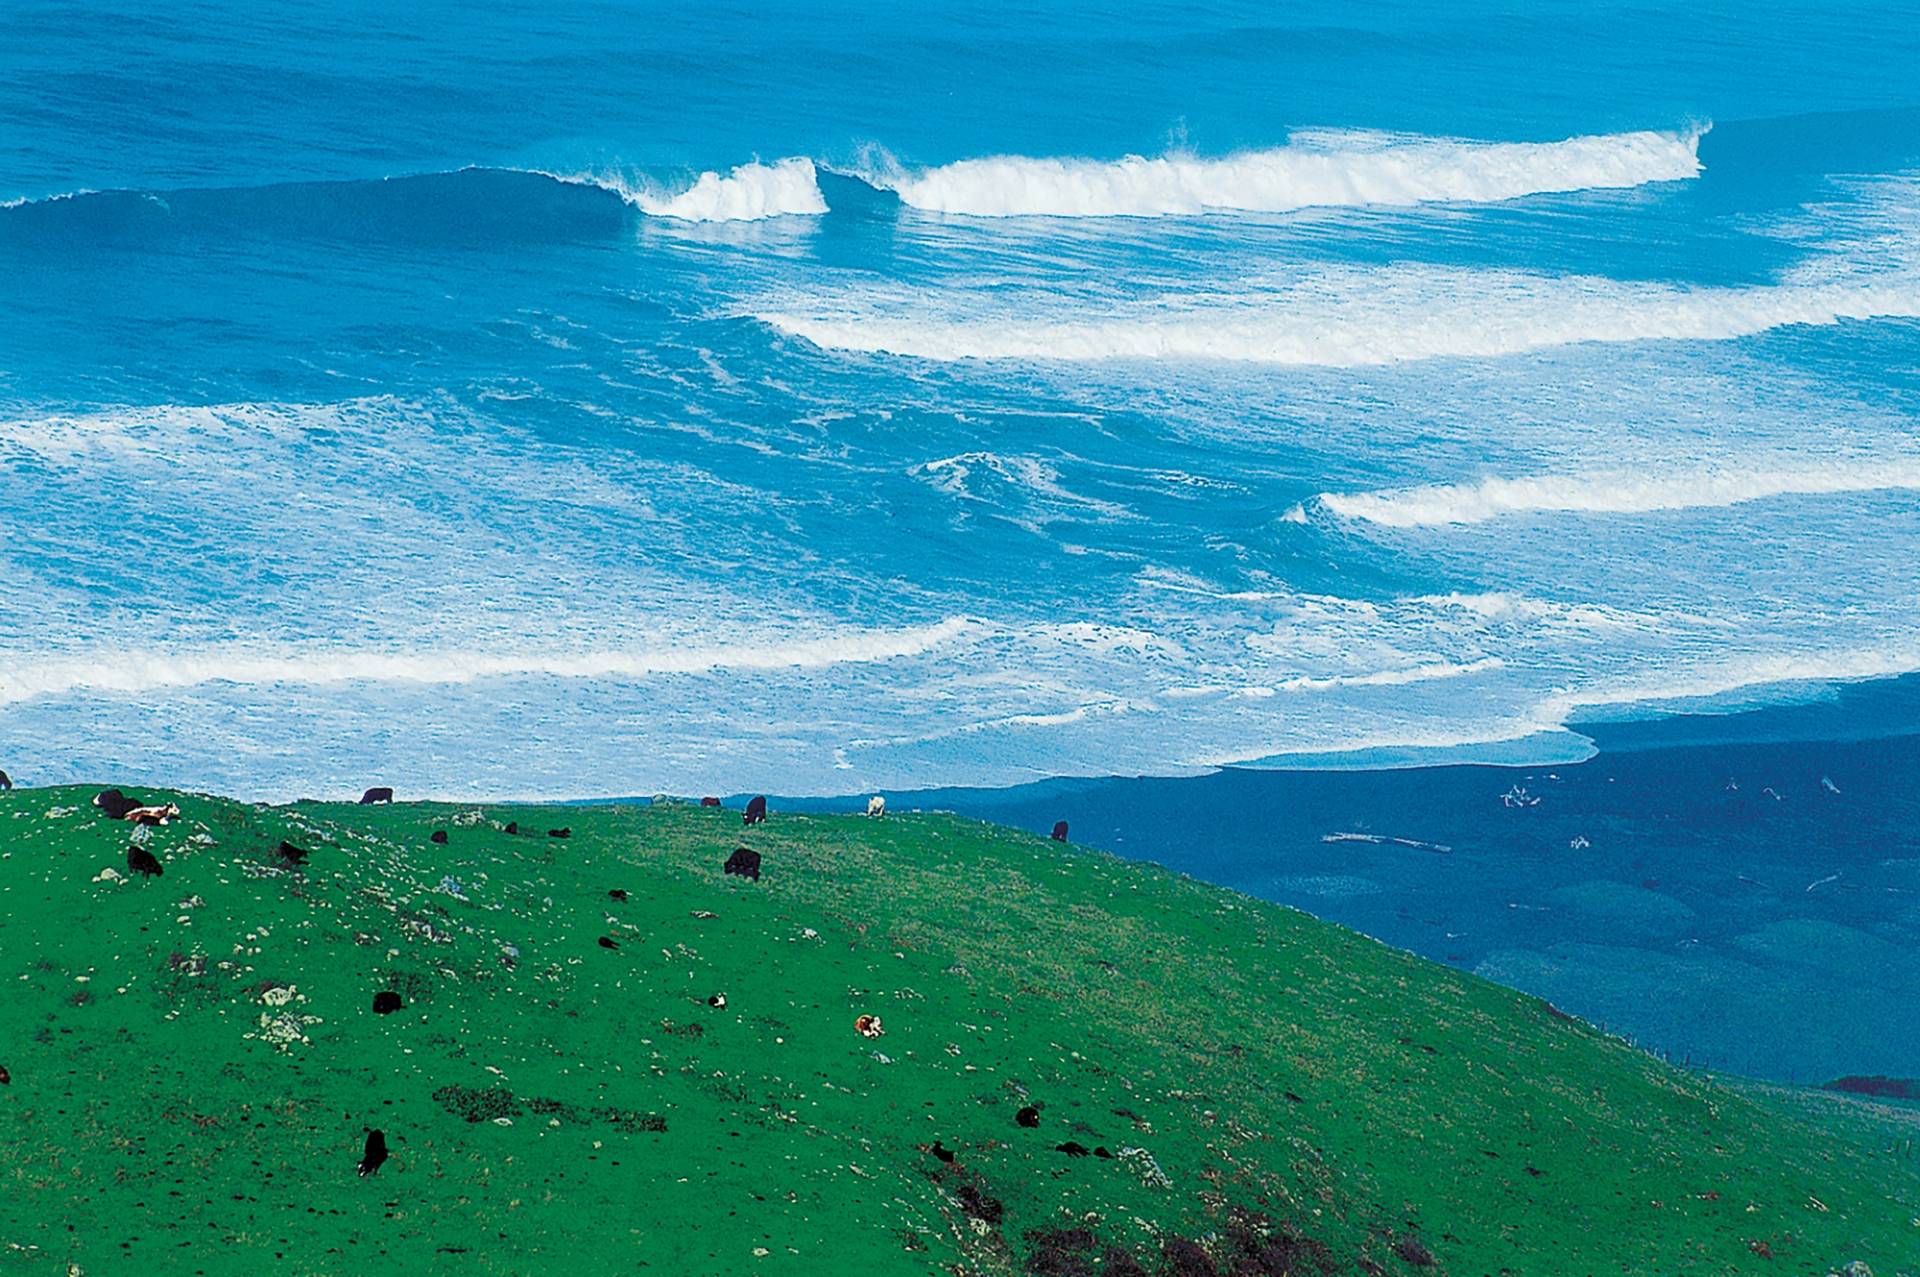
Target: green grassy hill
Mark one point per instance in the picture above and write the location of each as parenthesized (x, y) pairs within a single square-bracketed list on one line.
[(195, 1061)]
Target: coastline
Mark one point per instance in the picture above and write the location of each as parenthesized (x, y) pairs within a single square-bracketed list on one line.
[(1694, 916)]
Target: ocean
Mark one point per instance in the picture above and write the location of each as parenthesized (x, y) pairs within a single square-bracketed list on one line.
[(581, 399)]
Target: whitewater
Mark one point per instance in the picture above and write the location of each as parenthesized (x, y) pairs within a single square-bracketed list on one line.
[(827, 407)]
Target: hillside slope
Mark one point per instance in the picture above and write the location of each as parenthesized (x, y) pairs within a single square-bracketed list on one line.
[(195, 1061)]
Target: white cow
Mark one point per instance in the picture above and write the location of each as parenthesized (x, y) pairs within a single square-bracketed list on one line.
[(876, 806)]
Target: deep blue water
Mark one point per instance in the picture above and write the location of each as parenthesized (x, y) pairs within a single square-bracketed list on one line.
[(1737, 891), (571, 399)]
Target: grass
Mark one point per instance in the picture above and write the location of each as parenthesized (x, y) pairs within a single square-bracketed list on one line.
[(195, 1063)]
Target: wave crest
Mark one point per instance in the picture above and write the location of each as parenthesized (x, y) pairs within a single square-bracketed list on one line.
[(126, 672), (1613, 492), (747, 193), (1321, 169), (1344, 320)]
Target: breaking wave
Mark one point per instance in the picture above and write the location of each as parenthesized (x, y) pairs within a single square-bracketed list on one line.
[(127, 672), (1611, 492), (1347, 319), (1320, 169), (747, 193)]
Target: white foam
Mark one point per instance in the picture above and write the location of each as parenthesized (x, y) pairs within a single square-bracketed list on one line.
[(1617, 492), (1346, 319), (131, 671), (1314, 170), (747, 193)]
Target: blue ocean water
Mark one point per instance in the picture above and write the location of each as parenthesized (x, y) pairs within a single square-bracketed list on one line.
[(584, 398)]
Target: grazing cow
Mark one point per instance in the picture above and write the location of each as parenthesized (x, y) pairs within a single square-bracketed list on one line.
[(745, 862), (513, 826), (868, 1026), (386, 1002), (291, 854), (6, 1078), (607, 942), (439, 836), (1072, 1148), (756, 811), (1028, 1117), (718, 1001), (876, 806), (560, 833), (709, 801), (618, 893), (114, 803), (1059, 831), (141, 861), (152, 815), (376, 1153), (6, 781), (941, 1151), (378, 794)]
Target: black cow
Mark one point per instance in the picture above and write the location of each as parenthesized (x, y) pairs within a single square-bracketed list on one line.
[(439, 836), (378, 794), (141, 861), (618, 893), (386, 1002), (709, 801), (114, 803), (513, 826), (6, 781), (608, 942), (560, 833), (756, 811), (5, 1077), (290, 854), (745, 862), (1028, 1117), (1059, 831), (376, 1153)]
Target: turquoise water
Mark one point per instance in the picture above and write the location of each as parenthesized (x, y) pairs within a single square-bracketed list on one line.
[(576, 399)]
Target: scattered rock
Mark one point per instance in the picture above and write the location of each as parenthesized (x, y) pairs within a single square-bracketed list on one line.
[(477, 1104), (1415, 1253)]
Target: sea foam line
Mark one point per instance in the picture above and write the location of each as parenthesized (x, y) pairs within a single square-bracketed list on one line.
[(1611, 492), (1318, 169), (127, 672), (1347, 320)]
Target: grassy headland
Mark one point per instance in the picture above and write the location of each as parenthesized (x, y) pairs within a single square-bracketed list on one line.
[(195, 1062)]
